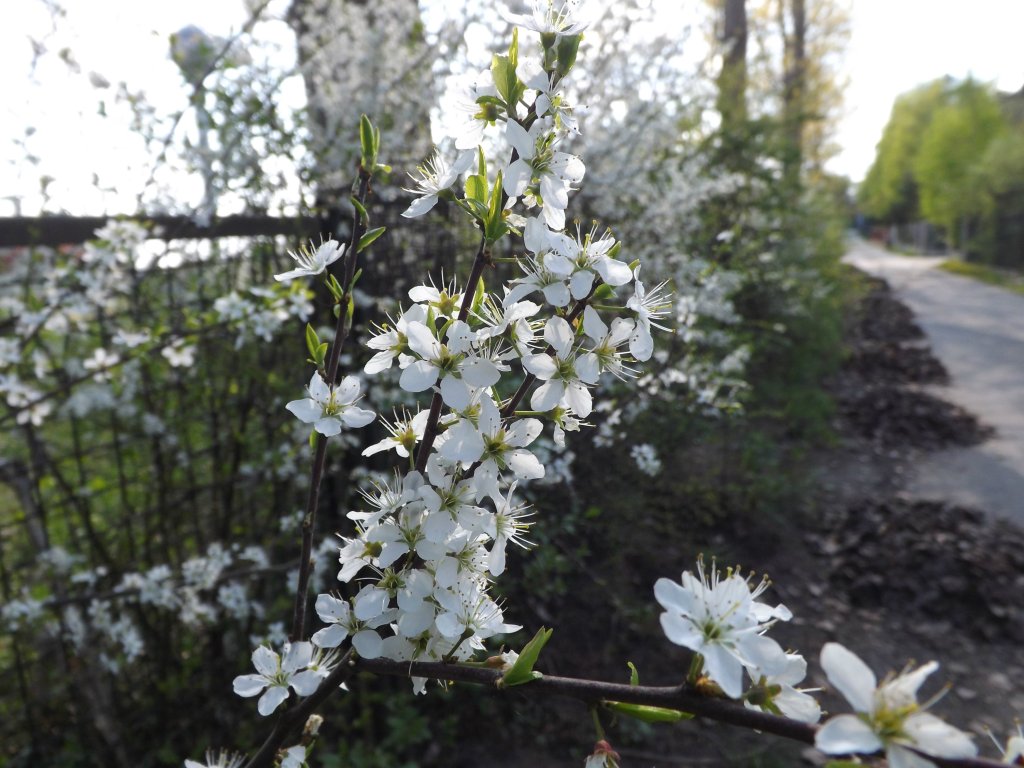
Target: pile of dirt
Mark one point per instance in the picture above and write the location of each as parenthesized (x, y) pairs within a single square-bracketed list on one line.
[(894, 416), (877, 391), (881, 318), (930, 560)]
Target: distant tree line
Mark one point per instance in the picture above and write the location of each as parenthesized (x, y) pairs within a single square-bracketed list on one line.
[(952, 154)]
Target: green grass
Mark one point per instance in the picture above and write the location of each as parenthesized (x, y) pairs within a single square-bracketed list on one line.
[(1002, 278)]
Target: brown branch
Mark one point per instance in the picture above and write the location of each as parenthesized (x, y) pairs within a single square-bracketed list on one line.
[(678, 697), (320, 457)]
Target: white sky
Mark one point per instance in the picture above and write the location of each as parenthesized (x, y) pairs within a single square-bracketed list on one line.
[(895, 45)]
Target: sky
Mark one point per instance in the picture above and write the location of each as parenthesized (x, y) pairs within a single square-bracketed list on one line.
[(895, 45)]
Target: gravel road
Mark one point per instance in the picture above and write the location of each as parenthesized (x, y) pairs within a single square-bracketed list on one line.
[(977, 331)]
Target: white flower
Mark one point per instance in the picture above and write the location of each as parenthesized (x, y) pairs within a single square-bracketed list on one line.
[(313, 263), (550, 17), (178, 355), (277, 676), (722, 620), (547, 173), (776, 693), (587, 255), (328, 409), (558, 372), (435, 177), (221, 760), (457, 370), (405, 433), (648, 307), (294, 757), (889, 716)]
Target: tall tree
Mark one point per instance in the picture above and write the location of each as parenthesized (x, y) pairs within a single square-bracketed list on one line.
[(732, 80), (889, 191), (950, 148)]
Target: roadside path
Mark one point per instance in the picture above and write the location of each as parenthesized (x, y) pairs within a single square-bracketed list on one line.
[(977, 331)]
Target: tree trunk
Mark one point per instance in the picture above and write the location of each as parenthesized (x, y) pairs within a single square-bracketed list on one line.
[(732, 81), (793, 86)]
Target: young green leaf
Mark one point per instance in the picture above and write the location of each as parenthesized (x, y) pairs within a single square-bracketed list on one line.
[(312, 340), (368, 238), (522, 671), (364, 217)]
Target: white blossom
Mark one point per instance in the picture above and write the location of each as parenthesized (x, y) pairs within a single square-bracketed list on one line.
[(313, 262), (889, 717)]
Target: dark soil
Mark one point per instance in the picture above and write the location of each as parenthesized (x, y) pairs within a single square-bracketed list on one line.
[(901, 578)]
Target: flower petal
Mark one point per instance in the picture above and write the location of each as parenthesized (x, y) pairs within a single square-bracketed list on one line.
[(845, 734)]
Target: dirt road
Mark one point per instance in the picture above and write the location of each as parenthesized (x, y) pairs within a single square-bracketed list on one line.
[(977, 331)]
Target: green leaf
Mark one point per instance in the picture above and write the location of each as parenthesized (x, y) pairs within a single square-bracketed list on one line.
[(603, 292), (522, 671), (364, 217), (312, 340), (368, 238), (634, 676), (478, 296), (648, 714), (494, 223), (368, 141), (568, 47)]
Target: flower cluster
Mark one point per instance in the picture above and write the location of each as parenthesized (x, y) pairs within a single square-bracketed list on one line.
[(430, 540), (720, 618)]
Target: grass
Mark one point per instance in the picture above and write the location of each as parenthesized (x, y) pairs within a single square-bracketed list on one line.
[(1002, 278)]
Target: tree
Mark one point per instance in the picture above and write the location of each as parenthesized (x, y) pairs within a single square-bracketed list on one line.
[(889, 191), (954, 141)]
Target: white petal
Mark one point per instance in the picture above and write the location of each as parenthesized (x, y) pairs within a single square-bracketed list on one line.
[(367, 643), (418, 377), (331, 609), (328, 426), (306, 410), (593, 325), (641, 344), (557, 294), (455, 393), (579, 399), (588, 368), (613, 272), (580, 283), (330, 637), (724, 668), (357, 417), (306, 683), (479, 372), (851, 676), (265, 661), (524, 464), (938, 738), (559, 334), (296, 657), (547, 396), (844, 734), (420, 206), (249, 685), (272, 699), (542, 366)]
